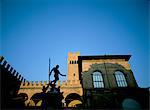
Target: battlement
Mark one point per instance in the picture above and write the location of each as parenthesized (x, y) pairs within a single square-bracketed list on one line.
[(34, 84), (73, 57), (8, 68)]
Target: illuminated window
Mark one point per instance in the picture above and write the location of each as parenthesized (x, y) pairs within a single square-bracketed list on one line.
[(98, 80), (120, 79)]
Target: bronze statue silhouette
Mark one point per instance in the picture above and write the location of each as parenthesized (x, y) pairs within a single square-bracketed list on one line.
[(56, 74), (44, 95)]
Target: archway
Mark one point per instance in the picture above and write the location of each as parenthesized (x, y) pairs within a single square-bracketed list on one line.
[(75, 103), (36, 98), (73, 100), (130, 104), (23, 95)]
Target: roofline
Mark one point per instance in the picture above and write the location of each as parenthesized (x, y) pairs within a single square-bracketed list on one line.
[(95, 57)]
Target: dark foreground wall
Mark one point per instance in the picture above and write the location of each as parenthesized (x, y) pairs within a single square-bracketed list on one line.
[(118, 98), (10, 83)]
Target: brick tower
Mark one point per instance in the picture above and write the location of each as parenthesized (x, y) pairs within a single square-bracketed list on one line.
[(73, 72)]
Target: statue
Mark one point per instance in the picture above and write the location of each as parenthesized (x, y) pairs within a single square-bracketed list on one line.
[(56, 74)]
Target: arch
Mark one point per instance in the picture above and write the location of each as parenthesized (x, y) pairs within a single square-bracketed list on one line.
[(98, 79), (100, 67), (39, 103), (130, 104), (112, 68), (74, 103), (23, 95), (70, 99), (120, 79), (36, 98), (97, 70)]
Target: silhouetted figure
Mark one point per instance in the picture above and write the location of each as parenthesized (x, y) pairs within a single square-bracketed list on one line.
[(59, 98), (44, 95), (54, 97), (56, 74)]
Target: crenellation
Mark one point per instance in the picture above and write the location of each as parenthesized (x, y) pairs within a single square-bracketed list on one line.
[(22, 84), (11, 69), (45, 82), (26, 83), (8, 66), (14, 72), (40, 83), (4, 63), (17, 74), (31, 83), (1, 59), (35, 83), (19, 78)]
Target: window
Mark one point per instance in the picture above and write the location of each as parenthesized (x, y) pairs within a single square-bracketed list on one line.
[(98, 80), (73, 62), (120, 79)]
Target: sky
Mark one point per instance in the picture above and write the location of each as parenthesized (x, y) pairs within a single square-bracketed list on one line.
[(32, 31)]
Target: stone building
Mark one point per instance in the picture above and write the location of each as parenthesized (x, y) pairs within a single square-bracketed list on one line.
[(107, 68), (108, 83), (103, 82)]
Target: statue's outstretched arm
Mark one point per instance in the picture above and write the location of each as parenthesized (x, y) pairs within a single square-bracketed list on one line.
[(61, 74)]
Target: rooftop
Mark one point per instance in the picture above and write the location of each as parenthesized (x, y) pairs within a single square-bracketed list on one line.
[(126, 57)]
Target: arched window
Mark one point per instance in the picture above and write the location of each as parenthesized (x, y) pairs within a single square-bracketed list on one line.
[(120, 79), (98, 80)]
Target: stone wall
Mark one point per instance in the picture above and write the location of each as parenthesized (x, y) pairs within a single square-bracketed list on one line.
[(108, 75), (10, 84), (33, 87)]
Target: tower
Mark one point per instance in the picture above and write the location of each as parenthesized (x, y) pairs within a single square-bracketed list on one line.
[(73, 71)]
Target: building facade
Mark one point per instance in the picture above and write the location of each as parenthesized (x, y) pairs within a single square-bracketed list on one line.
[(96, 82), (108, 83)]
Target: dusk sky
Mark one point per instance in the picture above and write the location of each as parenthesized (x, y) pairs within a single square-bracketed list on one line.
[(34, 30)]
